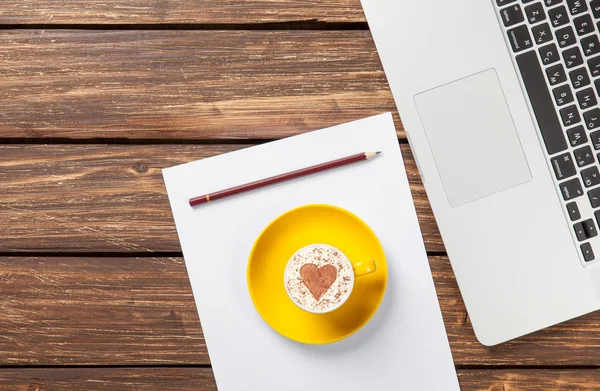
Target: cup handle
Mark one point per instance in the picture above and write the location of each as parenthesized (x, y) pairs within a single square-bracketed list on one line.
[(362, 268)]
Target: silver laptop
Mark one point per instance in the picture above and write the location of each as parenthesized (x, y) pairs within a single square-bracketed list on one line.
[(500, 102)]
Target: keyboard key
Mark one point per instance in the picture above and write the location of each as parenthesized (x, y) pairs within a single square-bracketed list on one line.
[(584, 156), (579, 78), (566, 36), (595, 137), (558, 16), (562, 95), (535, 13), (597, 84), (563, 166), (597, 215), (541, 101), (584, 24), (570, 115), (572, 57), (594, 196), (519, 38), (556, 74), (579, 231), (587, 98), (594, 65), (571, 189), (549, 54), (590, 45), (592, 118), (590, 228), (588, 253), (504, 2), (573, 210), (577, 6), (590, 176), (512, 15), (595, 4), (577, 136), (550, 3), (542, 33)]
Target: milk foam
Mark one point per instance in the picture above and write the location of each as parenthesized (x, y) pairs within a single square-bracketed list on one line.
[(319, 255)]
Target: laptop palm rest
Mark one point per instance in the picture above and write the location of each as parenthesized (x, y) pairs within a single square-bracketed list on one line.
[(473, 138)]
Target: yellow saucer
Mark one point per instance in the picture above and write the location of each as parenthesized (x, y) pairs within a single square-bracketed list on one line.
[(281, 239)]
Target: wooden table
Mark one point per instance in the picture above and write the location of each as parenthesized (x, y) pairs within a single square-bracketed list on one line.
[(96, 97)]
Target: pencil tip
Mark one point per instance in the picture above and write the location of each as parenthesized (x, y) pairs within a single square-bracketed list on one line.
[(372, 155)]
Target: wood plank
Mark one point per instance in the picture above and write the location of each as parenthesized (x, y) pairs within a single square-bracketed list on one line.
[(90, 311), (111, 198), (108, 379), (140, 311), (202, 379), (530, 380), (86, 84), (180, 12)]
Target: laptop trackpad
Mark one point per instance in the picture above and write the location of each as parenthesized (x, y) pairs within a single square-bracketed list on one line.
[(473, 138)]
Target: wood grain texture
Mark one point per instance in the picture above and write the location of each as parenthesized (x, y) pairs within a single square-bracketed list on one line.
[(186, 84), (111, 198), (530, 380), (108, 379), (177, 11), (89, 311), (202, 379), (140, 311)]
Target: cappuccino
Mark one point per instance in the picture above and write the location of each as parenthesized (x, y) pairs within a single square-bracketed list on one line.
[(319, 278)]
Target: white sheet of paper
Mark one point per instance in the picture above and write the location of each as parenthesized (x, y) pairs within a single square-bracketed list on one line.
[(404, 347)]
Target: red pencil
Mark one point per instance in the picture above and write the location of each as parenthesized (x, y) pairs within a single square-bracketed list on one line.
[(283, 177)]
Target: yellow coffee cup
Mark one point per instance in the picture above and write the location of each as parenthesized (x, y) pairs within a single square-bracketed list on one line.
[(294, 230)]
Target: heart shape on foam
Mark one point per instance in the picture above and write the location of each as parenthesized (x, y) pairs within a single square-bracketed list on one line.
[(318, 279)]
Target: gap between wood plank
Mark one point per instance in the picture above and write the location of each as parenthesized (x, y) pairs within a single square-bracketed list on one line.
[(92, 254), (133, 141), (158, 254), (278, 26), (127, 141), (102, 366), (524, 367), (142, 366)]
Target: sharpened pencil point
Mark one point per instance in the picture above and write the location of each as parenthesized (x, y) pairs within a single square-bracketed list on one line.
[(371, 155)]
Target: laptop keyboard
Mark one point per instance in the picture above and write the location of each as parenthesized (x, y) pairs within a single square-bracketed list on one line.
[(556, 48)]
